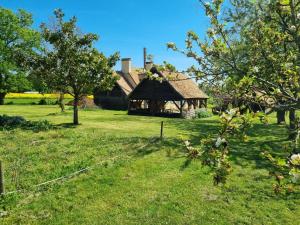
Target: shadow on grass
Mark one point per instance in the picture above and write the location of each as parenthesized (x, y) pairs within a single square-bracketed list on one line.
[(186, 164), (200, 126), (263, 137), (66, 125), (156, 144), (271, 138), (243, 154)]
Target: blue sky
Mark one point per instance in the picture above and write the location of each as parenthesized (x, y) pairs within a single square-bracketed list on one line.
[(128, 25)]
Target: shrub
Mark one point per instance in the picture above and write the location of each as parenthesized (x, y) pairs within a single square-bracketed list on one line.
[(12, 122), (202, 113), (9, 103), (43, 102), (37, 126)]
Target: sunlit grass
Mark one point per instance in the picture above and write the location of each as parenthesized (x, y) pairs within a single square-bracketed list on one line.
[(147, 184), (37, 96)]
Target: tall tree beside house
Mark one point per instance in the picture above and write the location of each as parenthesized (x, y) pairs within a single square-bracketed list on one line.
[(70, 63), (17, 40)]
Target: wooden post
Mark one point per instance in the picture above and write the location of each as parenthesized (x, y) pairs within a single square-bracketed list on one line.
[(129, 107), (1, 179), (162, 130), (181, 109)]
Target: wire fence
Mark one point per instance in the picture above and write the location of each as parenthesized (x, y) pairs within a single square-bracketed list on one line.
[(78, 172)]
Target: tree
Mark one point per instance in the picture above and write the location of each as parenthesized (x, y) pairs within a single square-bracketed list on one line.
[(166, 67), (17, 40), (40, 85), (255, 44), (70, 63), (274, 41)]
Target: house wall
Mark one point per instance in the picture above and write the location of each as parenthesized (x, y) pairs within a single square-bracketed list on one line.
[(114, 99)]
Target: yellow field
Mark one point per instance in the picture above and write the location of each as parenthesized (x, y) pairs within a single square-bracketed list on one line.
[(37, 96)]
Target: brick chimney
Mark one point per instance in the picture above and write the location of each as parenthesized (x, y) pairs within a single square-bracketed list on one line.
[(145, 57), (126, 65)]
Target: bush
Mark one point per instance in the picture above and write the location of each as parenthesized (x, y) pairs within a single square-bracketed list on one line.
[(47, 102), (43, 102), (13, 122), (36, 126), (202, 113)]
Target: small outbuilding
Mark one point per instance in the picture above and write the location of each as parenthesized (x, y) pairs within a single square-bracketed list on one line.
[(167, 94)]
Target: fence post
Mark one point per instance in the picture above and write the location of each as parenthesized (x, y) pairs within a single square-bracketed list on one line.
[(162, 130), (1, 179)]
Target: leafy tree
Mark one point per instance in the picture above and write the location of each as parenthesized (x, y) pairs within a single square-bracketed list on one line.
[(274, 43), (17, 40), (255, 44), (213, 152), (167, 67), (37, 84), (70, 63)]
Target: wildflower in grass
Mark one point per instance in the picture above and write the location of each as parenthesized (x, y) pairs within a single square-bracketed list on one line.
[(295, 159)]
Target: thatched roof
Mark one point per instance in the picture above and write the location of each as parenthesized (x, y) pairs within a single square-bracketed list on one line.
[(184, 85), (261, 97), (124, 85), (128, 82), (170, 86)]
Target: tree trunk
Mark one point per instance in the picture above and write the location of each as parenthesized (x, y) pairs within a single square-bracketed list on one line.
[(61, 101), (2, 96), (292, 117), (75, 110), (294, 130), (280, 116)]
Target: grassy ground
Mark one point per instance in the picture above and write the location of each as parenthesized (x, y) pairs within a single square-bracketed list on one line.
[(142, 182), (29, 101)]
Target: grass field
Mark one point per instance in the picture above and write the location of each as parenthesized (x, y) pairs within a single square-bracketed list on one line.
[(141, 182), (28, 101), (34, 98)]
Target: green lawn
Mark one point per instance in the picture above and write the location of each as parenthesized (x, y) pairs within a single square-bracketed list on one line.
[(29, 101), (20, 101), (141, 182)]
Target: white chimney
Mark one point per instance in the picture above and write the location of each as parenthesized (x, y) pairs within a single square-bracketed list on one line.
[(126, 65)]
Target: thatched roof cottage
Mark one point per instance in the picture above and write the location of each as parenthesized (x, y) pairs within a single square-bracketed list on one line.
[(171, 93), (156, 96)]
